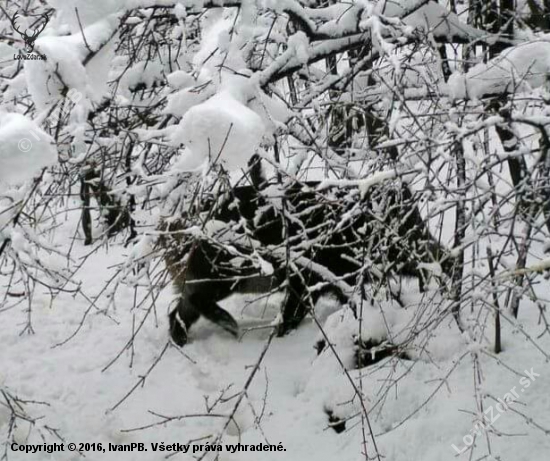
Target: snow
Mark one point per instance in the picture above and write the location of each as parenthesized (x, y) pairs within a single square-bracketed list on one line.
[(274, 113), (291, 393), (24, 149), (93, 362), (519, 68), (221, 130), (65, 66), (363, 184), (145, 72), (192, 90), (88, 12), (180, 79), (300, 44), (430, 17)]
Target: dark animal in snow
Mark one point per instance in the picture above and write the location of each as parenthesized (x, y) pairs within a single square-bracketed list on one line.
[(327, 239)]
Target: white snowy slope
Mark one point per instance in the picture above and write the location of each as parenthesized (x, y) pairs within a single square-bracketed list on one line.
[(24, 149)]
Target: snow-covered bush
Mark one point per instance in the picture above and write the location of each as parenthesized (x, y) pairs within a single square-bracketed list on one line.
[(131, 115)]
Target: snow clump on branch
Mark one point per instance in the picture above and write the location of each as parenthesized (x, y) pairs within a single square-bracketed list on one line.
[(24, 149), (221, 130), (519, 68)]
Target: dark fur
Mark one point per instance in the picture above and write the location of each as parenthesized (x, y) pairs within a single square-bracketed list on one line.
[(384, 225)]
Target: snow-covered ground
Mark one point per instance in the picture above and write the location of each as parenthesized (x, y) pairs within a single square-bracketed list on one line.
[(418, 409)]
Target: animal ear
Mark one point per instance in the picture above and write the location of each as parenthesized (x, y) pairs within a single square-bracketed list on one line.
[(257, 172)]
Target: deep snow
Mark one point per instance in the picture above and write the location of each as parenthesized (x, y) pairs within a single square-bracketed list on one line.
[(290, 393)]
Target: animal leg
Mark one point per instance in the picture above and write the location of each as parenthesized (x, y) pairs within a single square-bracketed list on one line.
[(181, 319), (294, 308), (200, 299), (215, 313)]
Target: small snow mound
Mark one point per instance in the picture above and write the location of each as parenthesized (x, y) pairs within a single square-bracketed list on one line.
[(341, 327), (180, 79), (191, 91)]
